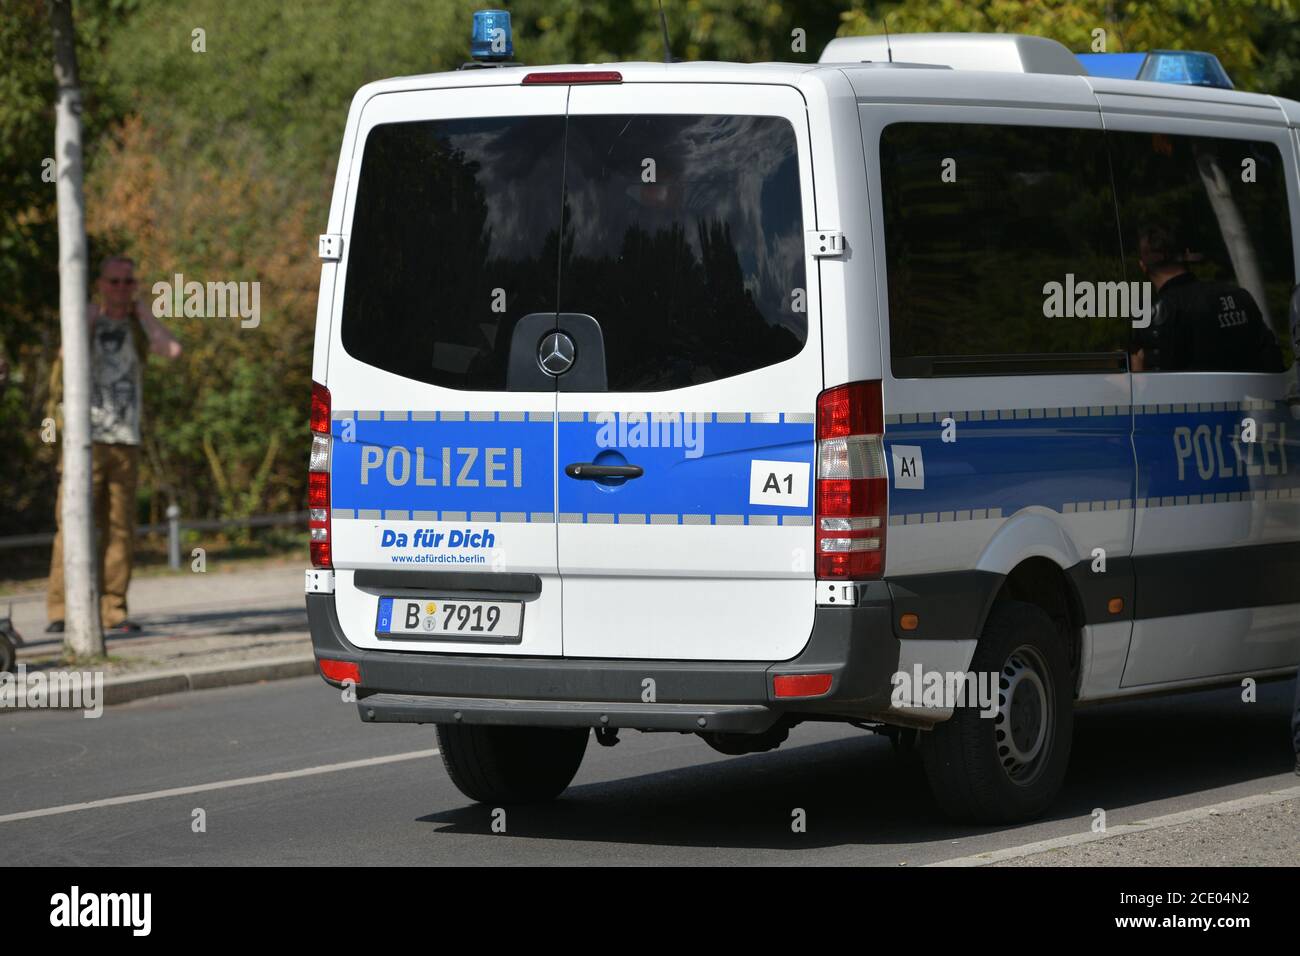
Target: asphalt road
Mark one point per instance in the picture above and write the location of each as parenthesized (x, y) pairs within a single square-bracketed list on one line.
[(654, 799)]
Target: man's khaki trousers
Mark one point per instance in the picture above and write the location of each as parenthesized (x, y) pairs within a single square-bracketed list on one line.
[(114, 474)]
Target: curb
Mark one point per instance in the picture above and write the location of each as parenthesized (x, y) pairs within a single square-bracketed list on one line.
[(121, 690)]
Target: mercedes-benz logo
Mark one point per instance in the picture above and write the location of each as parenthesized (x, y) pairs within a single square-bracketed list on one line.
[(556, 353)]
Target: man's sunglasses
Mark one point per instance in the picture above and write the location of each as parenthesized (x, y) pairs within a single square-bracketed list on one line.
[(120, 281)]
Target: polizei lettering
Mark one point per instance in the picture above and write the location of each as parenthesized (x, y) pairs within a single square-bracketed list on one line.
[(1216, 452), (459, 467)]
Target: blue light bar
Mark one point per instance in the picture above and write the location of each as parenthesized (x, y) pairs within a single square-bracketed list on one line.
[(491, 39), (1117, 66), (1185, 67)]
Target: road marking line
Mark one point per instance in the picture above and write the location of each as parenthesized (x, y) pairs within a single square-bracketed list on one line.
[(218, 785), (1142, 826)]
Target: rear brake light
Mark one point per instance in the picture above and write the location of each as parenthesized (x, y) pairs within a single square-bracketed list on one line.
[(320, 408), (574, 76), (849, 410), (318, 490), (801, 685), (318, 478), (340, 671), (852, 483)]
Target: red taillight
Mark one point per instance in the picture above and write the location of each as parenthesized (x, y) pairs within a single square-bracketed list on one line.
[(852, 483), (847, 498), (320, 554), (574, 76), (318, 478), (320, 408), (801, 685), (318, 490), (850, 410), (340, 671)]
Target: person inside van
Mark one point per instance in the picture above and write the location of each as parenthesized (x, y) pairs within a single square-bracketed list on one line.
[(1198, 326)]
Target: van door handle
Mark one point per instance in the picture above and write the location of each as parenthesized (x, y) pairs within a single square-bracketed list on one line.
[(591, 471)]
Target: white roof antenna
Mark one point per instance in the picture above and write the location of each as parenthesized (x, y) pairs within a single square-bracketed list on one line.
[(888, 46)]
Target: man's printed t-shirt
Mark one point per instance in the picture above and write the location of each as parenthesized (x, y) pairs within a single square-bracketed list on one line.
[(115, 385)]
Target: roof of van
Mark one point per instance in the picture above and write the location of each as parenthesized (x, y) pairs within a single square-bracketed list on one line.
[(885, 82)]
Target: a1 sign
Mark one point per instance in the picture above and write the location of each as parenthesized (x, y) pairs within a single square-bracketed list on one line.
[(909, 466), (780, 483)]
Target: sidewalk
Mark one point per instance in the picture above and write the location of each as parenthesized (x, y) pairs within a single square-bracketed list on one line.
[(1256, 836), (199, 630)]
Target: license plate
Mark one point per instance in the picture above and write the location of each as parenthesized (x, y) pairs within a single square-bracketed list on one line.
[(444, 618)]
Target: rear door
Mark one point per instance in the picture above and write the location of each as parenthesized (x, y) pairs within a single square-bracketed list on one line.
[(685, 422), (444, 452)]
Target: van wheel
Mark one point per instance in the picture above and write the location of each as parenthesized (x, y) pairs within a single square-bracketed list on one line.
[(504, 765), (1008, 767)]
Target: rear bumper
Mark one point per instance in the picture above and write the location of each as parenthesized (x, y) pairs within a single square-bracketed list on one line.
[(855, 645)]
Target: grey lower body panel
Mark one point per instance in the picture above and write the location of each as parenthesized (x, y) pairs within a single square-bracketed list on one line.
[(408, 709), (855, 645)]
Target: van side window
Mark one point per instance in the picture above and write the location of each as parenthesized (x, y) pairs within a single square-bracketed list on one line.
[(455, 237), (992, 233), (1206, 221)]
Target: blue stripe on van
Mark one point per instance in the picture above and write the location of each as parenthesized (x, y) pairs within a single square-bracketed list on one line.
[(711, 479), (1014, 463), (1067, 460), (1068, 463), (1186, 453), (703, 478)]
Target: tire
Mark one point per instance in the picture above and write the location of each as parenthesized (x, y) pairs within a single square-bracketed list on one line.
[(511, 765), (1009, 767)]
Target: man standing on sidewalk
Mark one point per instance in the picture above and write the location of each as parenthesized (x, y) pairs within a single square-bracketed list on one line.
[(122, 333)]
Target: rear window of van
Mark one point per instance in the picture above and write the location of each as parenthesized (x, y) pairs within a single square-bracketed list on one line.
[(681, 235)]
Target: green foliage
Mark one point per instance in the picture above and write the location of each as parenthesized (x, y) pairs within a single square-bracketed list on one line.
[(578, 31), (27, 230), (1278, 40), (282, 72)]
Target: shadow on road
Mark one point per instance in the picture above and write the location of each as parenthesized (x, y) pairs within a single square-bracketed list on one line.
[(855, 791)]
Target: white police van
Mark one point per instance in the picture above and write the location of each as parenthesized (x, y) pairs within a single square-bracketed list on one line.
[(713, 398)]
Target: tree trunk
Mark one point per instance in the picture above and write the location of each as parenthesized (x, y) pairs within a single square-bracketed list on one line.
[(1232, 226), (82, 634)]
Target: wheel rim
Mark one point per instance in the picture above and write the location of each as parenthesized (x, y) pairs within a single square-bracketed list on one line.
[(1024, 726)]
